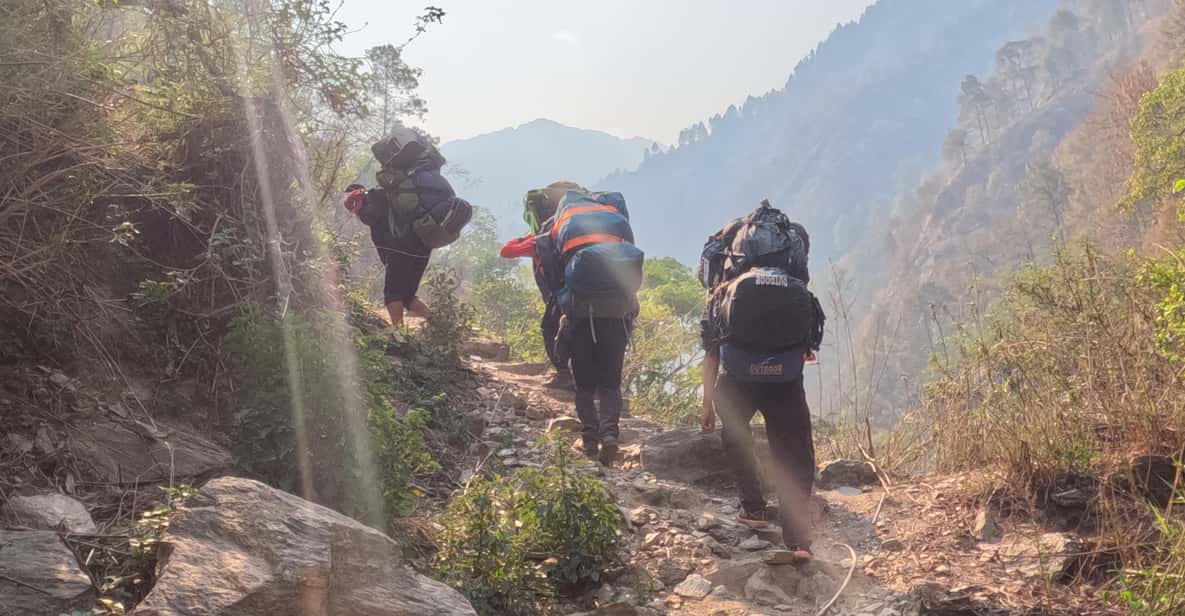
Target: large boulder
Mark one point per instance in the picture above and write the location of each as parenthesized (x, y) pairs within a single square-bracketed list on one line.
[(49, 512), (39, 576), (241, 548), (689, 456), (126, 450)]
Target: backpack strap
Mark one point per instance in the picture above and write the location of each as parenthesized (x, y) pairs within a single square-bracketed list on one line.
[(563, 216), (590, 238)]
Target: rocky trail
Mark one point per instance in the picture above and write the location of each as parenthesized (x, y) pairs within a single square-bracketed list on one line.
[(686, 554), (77, 466)]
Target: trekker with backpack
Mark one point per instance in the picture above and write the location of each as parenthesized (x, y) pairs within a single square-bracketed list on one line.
[(587, 254), (760, 325), (539, 206), (413, 211)]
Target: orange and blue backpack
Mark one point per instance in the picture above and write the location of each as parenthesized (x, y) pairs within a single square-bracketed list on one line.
[(590, 245)]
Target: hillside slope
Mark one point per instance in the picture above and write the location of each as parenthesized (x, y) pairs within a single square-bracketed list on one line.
[(861, 117), (1025, 174), (495, 169)]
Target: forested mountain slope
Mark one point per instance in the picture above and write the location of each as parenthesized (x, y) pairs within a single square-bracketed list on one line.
[(495, 169), (860, 118), (1038, 158)]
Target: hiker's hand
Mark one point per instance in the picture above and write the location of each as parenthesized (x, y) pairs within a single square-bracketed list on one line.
[(707, 418), (354, 199)]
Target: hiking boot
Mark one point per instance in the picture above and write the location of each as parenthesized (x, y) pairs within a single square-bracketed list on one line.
[(608, 450), (792, 555), (589, 448), (757, 519), (560, 380)]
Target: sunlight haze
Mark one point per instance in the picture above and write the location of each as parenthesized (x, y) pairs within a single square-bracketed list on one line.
[(632, 69)]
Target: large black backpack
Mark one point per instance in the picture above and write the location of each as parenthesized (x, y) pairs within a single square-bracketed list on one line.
[(766, 309), (420, 200), (763, 238), (767, 320)]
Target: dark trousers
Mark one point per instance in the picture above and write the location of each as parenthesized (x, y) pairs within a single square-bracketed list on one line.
[(550, 327), (597, 353), (788, 427)]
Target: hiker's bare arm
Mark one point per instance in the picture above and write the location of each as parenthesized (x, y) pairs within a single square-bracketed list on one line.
[(708, 370)]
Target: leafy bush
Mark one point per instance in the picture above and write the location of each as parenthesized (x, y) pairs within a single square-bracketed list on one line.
[(496, 525), (449, 321), (1160, 151), (569, 517), (481, 553), (510, 309), (1168, 277)]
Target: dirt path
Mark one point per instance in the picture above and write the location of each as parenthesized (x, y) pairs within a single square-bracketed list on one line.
[(685, 552)]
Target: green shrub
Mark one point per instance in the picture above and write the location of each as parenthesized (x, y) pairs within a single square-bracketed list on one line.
[(481, 553), (569, 517), (1160, 151), (1168, 278), (549, 513), (510, 310)]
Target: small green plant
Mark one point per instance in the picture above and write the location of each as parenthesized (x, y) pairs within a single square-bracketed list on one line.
[(400, 456), (125, 582), (551, 514), (449, 321), (148, 530)]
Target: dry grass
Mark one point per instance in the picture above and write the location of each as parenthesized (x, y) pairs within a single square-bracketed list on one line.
[(1063, 377)]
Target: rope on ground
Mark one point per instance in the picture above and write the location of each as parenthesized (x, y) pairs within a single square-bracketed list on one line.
[(884, 479), (876, 516), (851, 570)]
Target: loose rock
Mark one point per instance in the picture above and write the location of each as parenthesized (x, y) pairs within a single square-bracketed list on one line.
[(987, 526), (488, 350), (694, 587), (753, 544), (570, 424), (687, 455), (763, 589), (839, 473), (113, 450), (39, 576), (50, 512)]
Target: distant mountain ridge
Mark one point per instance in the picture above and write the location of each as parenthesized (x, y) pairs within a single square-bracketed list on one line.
[(493, 170)]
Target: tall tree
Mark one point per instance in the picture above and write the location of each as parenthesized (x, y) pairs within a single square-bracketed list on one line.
[(975, 98), (955, 146), (1046, 187), (1172, 37), (392, 85)]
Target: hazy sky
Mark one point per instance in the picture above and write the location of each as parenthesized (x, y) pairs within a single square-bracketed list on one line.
[(644, 68)]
